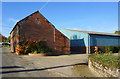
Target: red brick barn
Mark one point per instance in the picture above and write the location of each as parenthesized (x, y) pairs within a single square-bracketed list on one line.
[(36, 27)]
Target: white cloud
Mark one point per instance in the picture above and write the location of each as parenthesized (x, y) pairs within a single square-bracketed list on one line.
[(13, 20)]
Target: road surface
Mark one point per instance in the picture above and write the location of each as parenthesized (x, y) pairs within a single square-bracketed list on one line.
[(17, 66), (39, 66)]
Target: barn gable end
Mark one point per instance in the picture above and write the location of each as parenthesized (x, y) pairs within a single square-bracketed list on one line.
[(36, 27)]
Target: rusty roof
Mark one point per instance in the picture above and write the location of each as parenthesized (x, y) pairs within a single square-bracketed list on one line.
[(94, 33)]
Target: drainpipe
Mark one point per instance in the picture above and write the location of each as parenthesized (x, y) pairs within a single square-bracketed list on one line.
[(18, 31), (18, 34), (54, 35), (89, 42), (54, 38)]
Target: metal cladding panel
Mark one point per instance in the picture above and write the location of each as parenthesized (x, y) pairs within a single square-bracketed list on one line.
[(103, 40), (76, 38)]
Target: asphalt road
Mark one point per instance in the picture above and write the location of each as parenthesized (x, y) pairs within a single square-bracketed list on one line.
[(17, 66), (58, 66), (39, 66)]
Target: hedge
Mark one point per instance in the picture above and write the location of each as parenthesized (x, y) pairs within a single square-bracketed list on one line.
[(113, 49)]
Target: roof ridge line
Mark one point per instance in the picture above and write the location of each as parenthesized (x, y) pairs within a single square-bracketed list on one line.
[(93, 32)]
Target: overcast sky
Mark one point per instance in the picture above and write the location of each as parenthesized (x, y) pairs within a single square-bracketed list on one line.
[(86, 16)]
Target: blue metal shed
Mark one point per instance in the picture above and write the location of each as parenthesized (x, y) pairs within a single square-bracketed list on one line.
[(88, 39)]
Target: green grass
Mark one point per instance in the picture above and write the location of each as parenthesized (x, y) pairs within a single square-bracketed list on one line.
[(83, 71), (107, 59)]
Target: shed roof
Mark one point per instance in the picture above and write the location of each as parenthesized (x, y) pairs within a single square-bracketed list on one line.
[(94, 33)]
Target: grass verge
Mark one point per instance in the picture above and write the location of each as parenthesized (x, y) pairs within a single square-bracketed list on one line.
[(108, 59)]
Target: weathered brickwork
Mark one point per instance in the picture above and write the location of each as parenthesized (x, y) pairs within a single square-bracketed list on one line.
[(62, 43), (14, 39), (36, 27)]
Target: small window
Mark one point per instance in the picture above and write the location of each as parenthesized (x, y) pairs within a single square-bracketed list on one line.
[(38, 21)]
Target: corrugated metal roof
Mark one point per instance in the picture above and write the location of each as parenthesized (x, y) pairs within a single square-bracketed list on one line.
[(95, 33)]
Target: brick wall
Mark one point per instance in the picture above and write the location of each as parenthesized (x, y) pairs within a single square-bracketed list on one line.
[(36, 27), (30, 30), (14, 39), (62, 43)]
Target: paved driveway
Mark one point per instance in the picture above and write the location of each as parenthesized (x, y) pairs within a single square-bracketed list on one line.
[(57, 65), (17, 66), (40, 66)]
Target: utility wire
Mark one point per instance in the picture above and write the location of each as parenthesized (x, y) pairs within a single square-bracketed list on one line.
[(44, 5)]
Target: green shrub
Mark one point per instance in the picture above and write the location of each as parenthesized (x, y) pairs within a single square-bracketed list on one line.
[(110, 52), (119, 51), (35, 52), (34, 47), (113, 49), (100, 52), (42, 48), (108, 49)]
